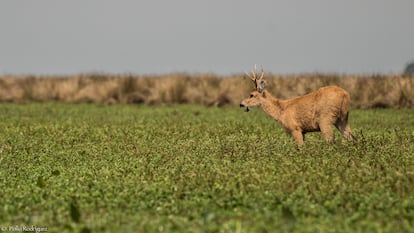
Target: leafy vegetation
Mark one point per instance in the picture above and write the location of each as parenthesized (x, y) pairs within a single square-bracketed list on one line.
[(189, 168)]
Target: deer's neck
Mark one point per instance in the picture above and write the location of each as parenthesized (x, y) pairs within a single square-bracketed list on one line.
[(271, 105)]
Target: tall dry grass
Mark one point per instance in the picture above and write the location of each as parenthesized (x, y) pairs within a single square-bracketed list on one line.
[(367, 91)]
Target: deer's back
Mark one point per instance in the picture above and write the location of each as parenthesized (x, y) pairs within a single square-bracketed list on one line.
[(321, 99)]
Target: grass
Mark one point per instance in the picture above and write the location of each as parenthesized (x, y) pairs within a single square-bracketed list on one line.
[(189, 168)]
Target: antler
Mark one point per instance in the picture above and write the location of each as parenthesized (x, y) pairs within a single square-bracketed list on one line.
[(258, 82)]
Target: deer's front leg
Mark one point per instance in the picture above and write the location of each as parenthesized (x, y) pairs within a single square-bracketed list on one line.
[(298, 136)]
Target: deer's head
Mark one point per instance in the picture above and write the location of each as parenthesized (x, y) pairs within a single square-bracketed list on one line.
[(256, 95)]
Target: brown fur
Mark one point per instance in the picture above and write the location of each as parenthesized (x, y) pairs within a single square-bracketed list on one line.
[(317, 111)]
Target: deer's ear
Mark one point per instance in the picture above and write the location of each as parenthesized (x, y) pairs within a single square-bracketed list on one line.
[(261, 86)]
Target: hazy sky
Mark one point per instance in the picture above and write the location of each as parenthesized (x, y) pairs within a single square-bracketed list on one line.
[(220, 36)]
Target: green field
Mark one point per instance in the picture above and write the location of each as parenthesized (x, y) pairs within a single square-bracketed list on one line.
[(189, 168)]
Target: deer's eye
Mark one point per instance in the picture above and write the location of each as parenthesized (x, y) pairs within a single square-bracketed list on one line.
[(251, 95)]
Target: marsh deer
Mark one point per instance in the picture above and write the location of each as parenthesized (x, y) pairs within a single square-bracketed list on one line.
[(317, 111)]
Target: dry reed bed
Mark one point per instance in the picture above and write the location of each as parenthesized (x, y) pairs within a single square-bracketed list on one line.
[(396, 91)]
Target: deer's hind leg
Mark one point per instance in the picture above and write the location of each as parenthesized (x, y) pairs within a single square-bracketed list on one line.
[(327, 131), (346, 131)]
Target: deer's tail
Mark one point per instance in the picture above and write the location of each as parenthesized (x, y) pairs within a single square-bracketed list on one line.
[(344, 110)]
